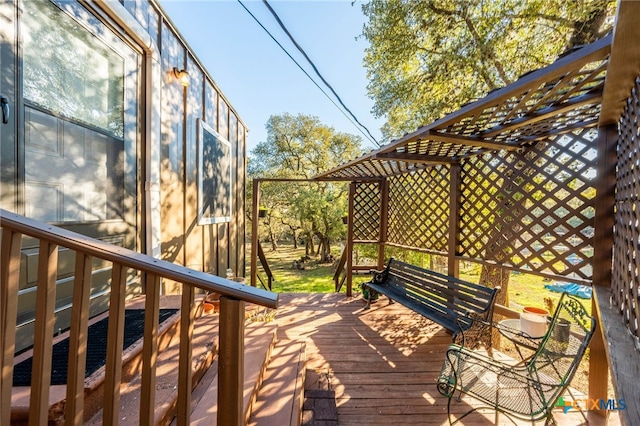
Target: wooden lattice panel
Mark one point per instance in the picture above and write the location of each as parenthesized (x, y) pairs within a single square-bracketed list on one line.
[(419, 209), (533, 209), (571, 98), (366, 214), (626, 265)]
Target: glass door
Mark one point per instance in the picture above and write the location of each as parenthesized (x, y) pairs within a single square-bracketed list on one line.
[(80, 85)]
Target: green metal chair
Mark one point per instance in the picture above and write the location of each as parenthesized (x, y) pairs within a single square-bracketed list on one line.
[(530, 390)]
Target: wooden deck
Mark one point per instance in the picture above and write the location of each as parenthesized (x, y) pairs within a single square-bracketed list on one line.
[(382, 363)]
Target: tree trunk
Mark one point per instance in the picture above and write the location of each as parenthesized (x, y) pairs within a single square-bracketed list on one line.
[(324, 248), (439, 264), (272, 238), (495, 276), (295, 240), (587, 31), (309, 248)]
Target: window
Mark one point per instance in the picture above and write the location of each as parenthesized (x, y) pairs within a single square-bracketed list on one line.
[(80, 85), (214, 176), (69, 71)]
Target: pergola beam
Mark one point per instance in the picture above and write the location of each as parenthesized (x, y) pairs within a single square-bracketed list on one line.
[(413, 158), (467, 141), (520, 89), (622, 72), (578, 125)]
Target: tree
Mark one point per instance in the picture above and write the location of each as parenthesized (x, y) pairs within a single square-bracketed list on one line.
[(429, 57), (299, 147)]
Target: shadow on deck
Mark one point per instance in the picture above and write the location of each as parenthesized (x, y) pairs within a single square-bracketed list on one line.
[(382, 363)]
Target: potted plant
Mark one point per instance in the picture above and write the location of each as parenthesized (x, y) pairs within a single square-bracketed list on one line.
[(213, 299)]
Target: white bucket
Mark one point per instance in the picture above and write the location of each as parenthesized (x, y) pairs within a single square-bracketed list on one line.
[(532, 324)]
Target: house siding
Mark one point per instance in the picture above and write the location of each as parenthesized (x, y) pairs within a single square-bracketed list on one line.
[(182, 240), (214, 247)]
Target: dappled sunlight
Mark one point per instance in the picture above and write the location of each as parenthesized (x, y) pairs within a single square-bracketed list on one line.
[(404, 330), (373, 347), (381, 364), (311, 321)]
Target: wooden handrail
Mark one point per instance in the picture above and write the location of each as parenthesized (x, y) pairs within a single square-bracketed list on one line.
[(233, 297), (265, 265), (137, 261), (339, 270)]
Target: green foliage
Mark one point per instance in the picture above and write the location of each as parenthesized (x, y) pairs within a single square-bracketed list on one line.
[(299, 147), (427, 58)]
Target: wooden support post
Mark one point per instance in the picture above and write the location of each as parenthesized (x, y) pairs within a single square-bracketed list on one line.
[(9, 284), (384, 221), (254, 232), (115, 338), (78, 335), (455, 183), (185, 373), (43, 335), (602, 253), (349, 247), (150, 349), (231, 362)]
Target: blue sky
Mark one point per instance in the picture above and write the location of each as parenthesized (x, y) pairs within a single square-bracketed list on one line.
[(256, 75)]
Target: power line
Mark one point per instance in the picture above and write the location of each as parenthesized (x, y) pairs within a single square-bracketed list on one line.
[(301, 50), (371, 138)]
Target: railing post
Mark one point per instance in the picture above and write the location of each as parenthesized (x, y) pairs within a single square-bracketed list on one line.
[(74, 409), (231, 362), (185, 372), (115, 338), (9, 283), (150, 349), (43, 335)]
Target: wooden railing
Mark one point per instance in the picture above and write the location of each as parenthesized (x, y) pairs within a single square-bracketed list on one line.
[(265, 265), (341, 274), (233, 297)]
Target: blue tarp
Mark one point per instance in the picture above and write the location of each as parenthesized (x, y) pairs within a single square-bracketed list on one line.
[(578, 290)]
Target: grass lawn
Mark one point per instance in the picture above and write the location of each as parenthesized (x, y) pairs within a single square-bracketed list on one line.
[(316, 277), (524, 289)]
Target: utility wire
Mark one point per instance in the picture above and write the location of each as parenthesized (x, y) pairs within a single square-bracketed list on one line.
[(301, 50), (371, 138)]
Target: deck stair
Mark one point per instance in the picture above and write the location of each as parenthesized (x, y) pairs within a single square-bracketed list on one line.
[(279, 400), (274, 378), (259, 342), (274, 381)]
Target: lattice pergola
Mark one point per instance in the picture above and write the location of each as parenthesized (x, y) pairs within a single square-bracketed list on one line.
[(520, 165), (541, 176)]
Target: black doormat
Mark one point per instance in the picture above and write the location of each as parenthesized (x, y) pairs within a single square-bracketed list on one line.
[(96, 348)]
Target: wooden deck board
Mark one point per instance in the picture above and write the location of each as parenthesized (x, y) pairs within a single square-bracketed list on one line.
[(382, 363)]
